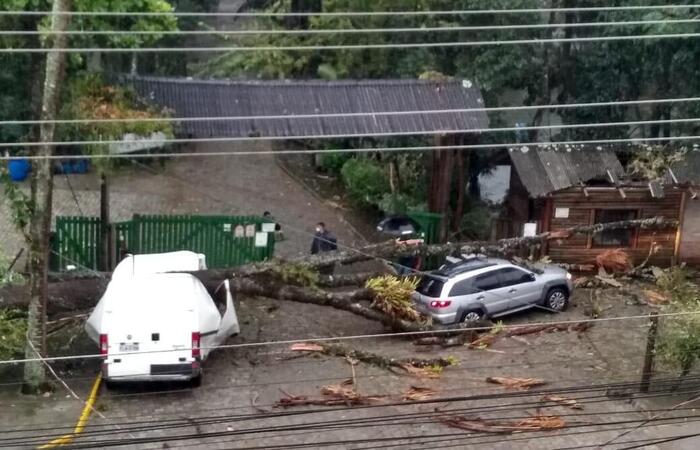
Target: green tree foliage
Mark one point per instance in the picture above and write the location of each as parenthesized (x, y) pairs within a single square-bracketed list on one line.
[(88, 97), (13, 329), (16, 81), (679, 337), (365, 180)]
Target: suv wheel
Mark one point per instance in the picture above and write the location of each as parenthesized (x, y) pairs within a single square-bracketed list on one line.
[(473, 315), (557, 299)]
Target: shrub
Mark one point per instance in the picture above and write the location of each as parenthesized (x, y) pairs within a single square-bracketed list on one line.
[(365, 180), (679, 337), (333, 162), (13, 329)]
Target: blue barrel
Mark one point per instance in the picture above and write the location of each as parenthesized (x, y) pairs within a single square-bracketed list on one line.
[(19, 169)]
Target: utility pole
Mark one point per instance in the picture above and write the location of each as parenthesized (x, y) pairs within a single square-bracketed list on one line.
[(105, 229), (42, 196)]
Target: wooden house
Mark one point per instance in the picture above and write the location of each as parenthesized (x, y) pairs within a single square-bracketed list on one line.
[(554, 189)]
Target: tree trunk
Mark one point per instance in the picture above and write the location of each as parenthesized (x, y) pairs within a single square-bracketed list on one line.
[(303, 6), (40, 224), (441, 183), (105, 253), (394, 180), (461, 188)]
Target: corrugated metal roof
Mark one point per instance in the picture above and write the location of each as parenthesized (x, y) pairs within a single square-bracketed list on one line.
[(688, 170), (546, 170), (217, 98)]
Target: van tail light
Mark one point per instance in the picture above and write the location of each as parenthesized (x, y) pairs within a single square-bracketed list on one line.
[(440, 303), (104, 344), (196, 340)]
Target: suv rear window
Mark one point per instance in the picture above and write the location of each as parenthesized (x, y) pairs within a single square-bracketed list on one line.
[(431, 287)]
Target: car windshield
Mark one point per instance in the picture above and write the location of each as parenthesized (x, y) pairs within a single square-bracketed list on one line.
[(432, 287)]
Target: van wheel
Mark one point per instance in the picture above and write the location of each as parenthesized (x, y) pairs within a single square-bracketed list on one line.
[(196, 381), (109, 385), (557, 299), (472, 316)]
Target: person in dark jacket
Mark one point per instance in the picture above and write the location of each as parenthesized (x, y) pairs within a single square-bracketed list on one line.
[(324, 240)]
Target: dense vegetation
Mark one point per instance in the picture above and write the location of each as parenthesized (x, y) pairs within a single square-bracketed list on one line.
[(537, 74)]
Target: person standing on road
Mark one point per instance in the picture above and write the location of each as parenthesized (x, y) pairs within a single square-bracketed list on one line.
[(324, 240)]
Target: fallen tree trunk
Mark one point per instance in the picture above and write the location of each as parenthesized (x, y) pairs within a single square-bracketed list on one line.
[(392, 249), (373, 358)]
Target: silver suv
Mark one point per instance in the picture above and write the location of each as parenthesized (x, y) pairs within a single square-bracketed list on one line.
[(472, 288)]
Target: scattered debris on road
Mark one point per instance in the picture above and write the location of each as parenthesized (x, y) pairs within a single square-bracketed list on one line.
[(418, 393), (536, 423), (428, 368), (342, 394), (520, 384), (563, 401)]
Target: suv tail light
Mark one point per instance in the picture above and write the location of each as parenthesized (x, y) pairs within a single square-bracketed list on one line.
[(440, 303), (104, 344), (196, 351)]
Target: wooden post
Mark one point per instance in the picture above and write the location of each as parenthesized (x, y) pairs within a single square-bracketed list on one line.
[(650, 352), (104, 224), (679, 230), (42, 197)]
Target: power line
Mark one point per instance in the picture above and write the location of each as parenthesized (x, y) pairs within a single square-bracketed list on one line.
[(307, 427), (655, 417), (520, 145), (345, 338), (344, 115), (552, 106), (208, 420), (321, 31), (350, 13), (508, 407), (459, 44)]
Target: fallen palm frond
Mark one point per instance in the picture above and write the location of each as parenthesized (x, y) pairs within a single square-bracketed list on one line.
[(341, 394), (520, 384), (569, 402), (393, 296), (418, 393), (344, 394), (429, 368), (536, 423)]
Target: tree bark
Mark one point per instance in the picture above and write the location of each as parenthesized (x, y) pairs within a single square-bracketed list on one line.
[(40, 223), (105, 253), (461, 188)]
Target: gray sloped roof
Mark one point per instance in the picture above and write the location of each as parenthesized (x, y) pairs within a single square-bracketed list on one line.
[(224, 98), (545, 170), (688, 170)]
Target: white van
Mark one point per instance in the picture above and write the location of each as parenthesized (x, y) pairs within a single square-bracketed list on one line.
[(159, 326)]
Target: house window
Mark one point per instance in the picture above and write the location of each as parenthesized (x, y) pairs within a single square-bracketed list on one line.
[(614, 238)]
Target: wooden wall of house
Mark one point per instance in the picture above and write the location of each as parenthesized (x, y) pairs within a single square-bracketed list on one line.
[(581, 211), (690, 239)]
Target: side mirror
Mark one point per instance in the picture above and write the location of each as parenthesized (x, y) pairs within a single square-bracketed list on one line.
[(531, 276)]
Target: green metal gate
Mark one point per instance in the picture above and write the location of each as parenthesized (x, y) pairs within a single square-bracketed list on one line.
[(225, 240), (75, 244)]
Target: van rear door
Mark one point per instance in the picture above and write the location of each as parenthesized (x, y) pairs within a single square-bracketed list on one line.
[(151, 343)]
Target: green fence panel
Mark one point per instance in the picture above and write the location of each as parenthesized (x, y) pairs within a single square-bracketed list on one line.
[(225, 240), (76, 243)]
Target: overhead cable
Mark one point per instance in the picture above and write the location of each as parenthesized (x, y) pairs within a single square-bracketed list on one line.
[(275, 48), (321, 31), (455, 12), (523, 146), (345, 338)]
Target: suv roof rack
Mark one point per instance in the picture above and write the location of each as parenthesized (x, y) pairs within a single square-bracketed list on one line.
[(465, 263)]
